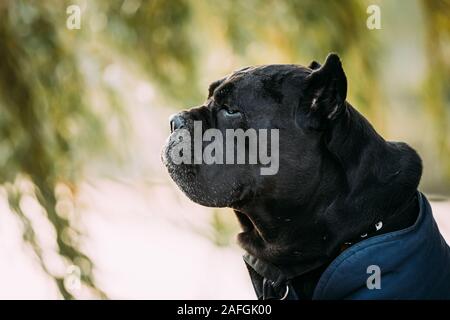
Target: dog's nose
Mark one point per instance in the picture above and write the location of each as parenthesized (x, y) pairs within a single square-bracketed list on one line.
[(176, 122)]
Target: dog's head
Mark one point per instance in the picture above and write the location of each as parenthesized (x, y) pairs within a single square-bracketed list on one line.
[(323, 161), (297, 101)]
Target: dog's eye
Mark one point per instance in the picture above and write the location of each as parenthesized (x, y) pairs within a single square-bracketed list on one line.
[(230, 112)]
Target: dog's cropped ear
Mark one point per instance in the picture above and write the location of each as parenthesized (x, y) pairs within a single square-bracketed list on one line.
[(326, 90), (314, 65), (213, 86)]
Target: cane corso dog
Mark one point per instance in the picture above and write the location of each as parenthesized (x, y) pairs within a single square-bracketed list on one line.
[(337, 178)]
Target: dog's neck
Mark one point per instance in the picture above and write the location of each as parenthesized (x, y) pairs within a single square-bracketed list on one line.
[(380, 176), (373, 180)]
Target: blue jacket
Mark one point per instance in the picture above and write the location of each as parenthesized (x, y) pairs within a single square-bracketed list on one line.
[(413, 263)]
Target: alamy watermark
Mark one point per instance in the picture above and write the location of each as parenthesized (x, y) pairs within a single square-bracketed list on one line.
[(74, 17), (374, 20), (72, 279), (374, 280), (73, 21), (256, 141)]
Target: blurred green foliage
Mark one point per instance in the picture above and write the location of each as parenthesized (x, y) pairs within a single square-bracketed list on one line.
[(437, 83), (55, 111), (45, 123)]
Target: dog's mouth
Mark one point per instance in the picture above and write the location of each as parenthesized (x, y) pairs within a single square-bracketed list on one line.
[(245, 222), (250, 237)]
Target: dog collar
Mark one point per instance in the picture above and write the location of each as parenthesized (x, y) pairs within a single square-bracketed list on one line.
[(271, 282), (377, 227)]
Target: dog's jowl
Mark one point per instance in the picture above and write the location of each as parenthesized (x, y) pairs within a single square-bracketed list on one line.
[(341, 201)]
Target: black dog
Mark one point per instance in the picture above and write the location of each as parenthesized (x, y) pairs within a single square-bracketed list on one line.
[(338, 180)]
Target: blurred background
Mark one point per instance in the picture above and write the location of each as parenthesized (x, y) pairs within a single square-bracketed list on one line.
[(87, 210)]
